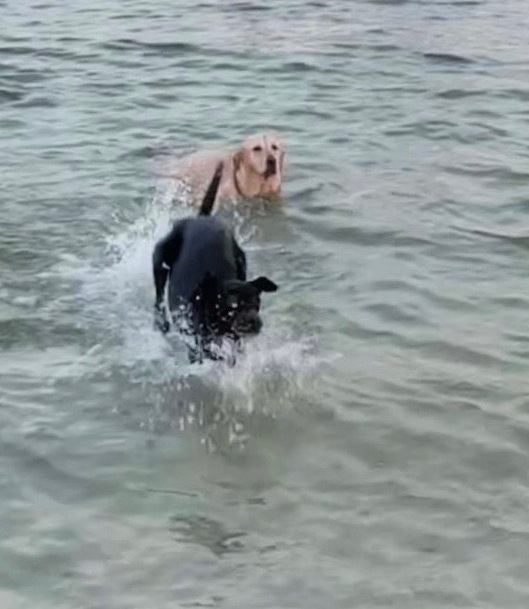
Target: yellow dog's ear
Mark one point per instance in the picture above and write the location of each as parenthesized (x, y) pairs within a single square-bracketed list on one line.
[(237, 159), (281, 158)]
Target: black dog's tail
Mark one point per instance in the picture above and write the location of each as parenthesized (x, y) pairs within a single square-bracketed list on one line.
[(211, 192)]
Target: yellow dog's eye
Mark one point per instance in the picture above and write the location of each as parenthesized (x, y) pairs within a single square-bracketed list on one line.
[(274, 147), (257, 148)]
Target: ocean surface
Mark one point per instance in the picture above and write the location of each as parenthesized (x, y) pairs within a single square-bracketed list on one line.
[(371, 447)]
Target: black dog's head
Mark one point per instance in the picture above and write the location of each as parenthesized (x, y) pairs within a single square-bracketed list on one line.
[(242, 303), (232, 307)]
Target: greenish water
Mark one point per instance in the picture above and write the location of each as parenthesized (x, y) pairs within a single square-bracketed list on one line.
[(372, 448)]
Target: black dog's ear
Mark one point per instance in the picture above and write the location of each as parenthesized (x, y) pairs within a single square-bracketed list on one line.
[(263, 284), (233, 286)]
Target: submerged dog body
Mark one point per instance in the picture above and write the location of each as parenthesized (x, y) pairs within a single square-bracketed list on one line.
[(206, 270), (254, 169)]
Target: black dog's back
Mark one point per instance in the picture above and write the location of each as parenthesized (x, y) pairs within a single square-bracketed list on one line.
[(207, 248), (195, 251)]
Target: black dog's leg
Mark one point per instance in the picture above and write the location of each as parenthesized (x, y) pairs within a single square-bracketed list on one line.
[(194, 355), (161, 322), (199, 351), (165, 254)]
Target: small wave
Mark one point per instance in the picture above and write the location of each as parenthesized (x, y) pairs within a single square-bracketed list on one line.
[(16, 50), (249, 7), (389, 2), (7, 95), (448, 58), (37, 101), (460, 93), (122, 44), (517, 238), (299, 66)]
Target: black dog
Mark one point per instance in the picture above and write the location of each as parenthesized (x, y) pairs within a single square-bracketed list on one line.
[(208, 290)]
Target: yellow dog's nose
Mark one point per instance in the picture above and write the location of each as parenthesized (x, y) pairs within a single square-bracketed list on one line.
[(270, 165)]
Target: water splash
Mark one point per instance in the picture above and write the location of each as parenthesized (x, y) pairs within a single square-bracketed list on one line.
[(271, 373), (272, 377)]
